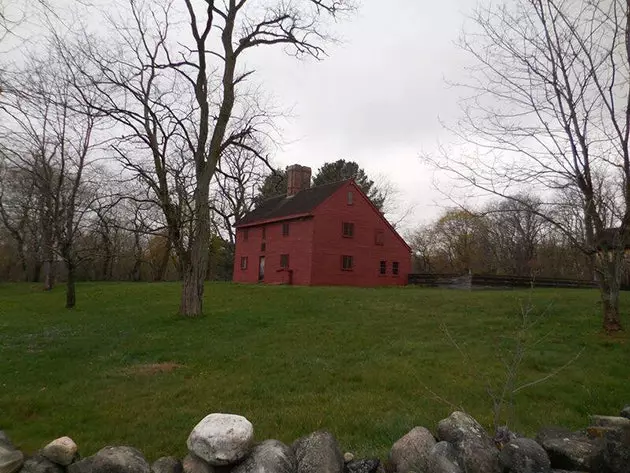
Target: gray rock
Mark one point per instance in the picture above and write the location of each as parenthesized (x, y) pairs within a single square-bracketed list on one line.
[(167, 465), (40, 464), (477, 457), (443, 458), (572, 450), (476, 451), (61, 451), (221, 439), (610, 421), (411, 452), (11, 460), (193, 464), (566, 471), (625, 412), (318, 453), (112, 460), (348, 457), (369, 465), (503, 435), (270, 456), (524, 455), (460, 426), (617, 456), (4, 441)]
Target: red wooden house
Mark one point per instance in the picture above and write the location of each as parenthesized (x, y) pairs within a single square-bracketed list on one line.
[(324, 235)]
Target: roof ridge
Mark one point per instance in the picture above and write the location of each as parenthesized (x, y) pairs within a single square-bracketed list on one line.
[(282, 206)]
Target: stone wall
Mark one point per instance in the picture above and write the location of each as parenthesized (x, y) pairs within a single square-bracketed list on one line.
[(223, 443)]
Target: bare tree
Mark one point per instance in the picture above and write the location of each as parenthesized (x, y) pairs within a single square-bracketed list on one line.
[(549, 109), (175, 92), (514, 233), (48, 136), (18, 209), (236, 184)]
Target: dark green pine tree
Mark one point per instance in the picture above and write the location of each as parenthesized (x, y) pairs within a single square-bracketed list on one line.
[(342, 170), (276, 183)]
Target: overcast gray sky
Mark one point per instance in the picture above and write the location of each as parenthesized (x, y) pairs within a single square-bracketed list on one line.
[(378, 97)]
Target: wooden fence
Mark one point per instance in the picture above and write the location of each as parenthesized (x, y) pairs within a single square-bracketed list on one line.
[(468, 281)]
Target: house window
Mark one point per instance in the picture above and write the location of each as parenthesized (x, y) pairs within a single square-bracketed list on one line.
[(347, 263), (263, 246), (395, 268), (243, 262), (284, 261), (383, 267), (285, 229), (348, 229), (379, 237), (350, 198), (264, 233), (245, 234)]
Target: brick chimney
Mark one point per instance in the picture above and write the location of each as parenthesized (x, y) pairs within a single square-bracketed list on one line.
[(298, 179)]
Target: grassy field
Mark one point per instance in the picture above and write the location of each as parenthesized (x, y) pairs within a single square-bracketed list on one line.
[(367, 364)]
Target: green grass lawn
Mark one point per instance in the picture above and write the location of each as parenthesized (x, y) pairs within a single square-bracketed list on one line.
[(367, 364)]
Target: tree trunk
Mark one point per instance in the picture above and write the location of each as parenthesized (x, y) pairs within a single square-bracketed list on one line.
[(71, 297), (49, 276), (107, 268), (49, 260), (161, 271), (192, 290), (22, 258), (196, 265), (609, 280), (136, 273), (37, 271)]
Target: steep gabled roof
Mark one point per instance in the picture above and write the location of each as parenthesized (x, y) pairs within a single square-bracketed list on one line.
[(282, 207)]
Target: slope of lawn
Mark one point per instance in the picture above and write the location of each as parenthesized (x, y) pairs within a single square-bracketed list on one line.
[(367, 364)]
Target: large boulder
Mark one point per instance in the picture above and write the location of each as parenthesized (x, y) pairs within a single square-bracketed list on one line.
[(572, 450), (193, 464), (615, 433), (40, 464), (476, 450), (61, 451), (443, 458), (11, 460), (221, 439), (411, 452), (270, 456), (167, 465), (367, 465), (617, 457), (318, 453), (460, 426), (476, 457), (524, 455), (112, 460), (612, 422)]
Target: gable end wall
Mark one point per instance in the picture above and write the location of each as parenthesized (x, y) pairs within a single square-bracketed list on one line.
[(329, 245)]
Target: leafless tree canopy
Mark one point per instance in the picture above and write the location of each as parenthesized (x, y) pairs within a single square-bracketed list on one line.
[(548, 110), (171, 76), (46, 142)]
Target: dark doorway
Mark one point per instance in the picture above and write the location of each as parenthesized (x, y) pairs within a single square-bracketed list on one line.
[(261, 268)]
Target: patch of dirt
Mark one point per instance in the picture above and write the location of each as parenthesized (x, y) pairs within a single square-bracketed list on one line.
[(148, 369), (617, 337)]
